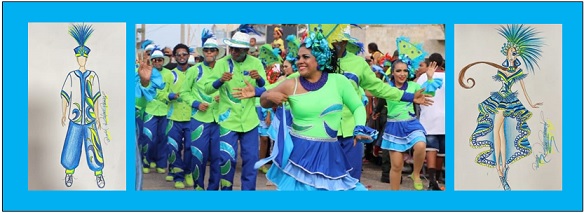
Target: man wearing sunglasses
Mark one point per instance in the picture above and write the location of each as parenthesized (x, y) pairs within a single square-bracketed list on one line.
[(153, 140), (238, 119), (179, 125), (205, 139)]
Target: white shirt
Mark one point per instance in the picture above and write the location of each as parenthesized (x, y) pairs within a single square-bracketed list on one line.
[(433, 117)]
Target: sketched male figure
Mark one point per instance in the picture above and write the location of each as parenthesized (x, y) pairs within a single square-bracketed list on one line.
[(80, 94)]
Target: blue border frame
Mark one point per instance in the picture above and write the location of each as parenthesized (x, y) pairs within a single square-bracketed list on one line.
[(16, 16)]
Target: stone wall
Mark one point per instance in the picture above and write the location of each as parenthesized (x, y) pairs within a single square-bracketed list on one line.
[(432, 36)]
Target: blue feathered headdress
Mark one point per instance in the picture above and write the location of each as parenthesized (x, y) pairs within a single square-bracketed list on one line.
[(247, 28), (81, 32), (523, 39), (206, 34), (293, 46), (411, 54), (145, 43)]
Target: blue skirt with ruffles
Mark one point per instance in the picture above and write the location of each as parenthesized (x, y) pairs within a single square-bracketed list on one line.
[(314, 165), (402, 135)]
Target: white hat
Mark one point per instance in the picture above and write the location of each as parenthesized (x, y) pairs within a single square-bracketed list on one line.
[(212, 43), (149, 47), (239, 40), (158, 54)]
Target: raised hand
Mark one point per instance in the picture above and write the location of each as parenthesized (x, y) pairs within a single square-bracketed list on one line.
[(431, 69), (63, 120), (422, 99), (246, 92), (144, 68)]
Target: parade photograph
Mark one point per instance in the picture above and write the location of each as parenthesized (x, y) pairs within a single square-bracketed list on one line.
[(290, 107)]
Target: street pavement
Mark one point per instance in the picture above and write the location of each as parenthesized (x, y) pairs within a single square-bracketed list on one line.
[(370, 178)]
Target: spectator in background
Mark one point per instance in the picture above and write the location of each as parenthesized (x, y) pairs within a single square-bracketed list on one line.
[(278, 41), (168, 53), (433, 120), (376, 55), (253, 48)]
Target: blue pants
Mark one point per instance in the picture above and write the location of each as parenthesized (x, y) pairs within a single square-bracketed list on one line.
[(204, 147), (78, 135), (178, 138), (354, 154), (153, 141), (249, 154)]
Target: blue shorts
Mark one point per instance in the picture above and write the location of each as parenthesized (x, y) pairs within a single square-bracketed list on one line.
[(435, 143), (263, 131)]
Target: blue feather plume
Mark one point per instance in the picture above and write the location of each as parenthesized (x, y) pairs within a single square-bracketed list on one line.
[(145, 43), (524, 39), (80, 32), (247, 28), (206, 34)]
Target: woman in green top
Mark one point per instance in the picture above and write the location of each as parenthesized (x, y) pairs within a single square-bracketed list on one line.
[(316, 161), (403, 131)]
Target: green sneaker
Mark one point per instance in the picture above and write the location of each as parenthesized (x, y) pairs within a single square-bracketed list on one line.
[(189, 180), (418, 184), (263, 169), (179, 185), (152, 165), (169, 178), (145, 170), (160, 170)]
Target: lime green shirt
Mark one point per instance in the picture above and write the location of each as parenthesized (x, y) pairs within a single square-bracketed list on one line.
[(235, 114), (317, 114), (359, 73), (401, 110), (158, 106), (178, 110), (193, 90)]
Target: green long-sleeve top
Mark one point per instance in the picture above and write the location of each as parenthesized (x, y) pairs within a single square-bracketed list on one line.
[(400, 110), (193, 91), (158, 106), (359, 73), (178, 109), (317, 114), (235, 114)]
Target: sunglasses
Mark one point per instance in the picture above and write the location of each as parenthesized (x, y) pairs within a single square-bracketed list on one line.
[(157, 59), (209, 50), (235, 49), (181, 54)]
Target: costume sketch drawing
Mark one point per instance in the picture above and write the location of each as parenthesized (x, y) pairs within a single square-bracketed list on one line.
[(502, 131), (82, 99)]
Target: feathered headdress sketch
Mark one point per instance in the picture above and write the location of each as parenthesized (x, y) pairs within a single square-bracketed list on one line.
[(523, 39), (81, 32)]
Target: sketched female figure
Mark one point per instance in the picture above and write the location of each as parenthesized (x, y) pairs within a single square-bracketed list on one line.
[(502, 121), (80, 95)]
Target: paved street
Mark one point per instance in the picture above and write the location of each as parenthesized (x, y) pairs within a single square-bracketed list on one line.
[(370, 178)]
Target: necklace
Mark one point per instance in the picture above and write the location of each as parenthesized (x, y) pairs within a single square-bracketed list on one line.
[(316, 85)]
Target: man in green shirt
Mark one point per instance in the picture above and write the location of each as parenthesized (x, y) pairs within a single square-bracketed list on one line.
[(205, 138), (153, 138), (179, 126), (238, 119)]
